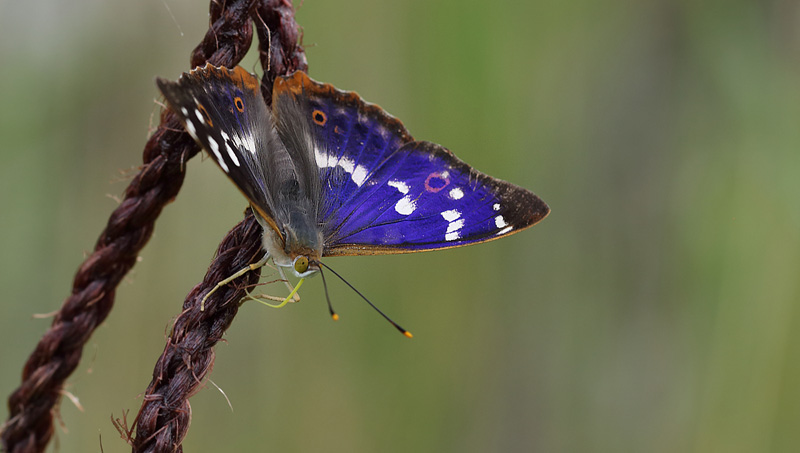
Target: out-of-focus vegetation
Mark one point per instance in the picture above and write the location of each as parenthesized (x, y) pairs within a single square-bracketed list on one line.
[(654, 310)]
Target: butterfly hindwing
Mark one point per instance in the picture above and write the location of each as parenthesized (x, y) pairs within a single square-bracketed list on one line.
[(382, 192)]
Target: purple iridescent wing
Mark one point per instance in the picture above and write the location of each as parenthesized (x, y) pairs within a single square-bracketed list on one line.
[(382, 192)]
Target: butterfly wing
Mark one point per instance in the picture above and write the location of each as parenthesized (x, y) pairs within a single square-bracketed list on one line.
[(382, 192), (223, 111)]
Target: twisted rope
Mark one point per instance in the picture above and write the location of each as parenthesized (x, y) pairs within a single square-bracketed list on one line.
[(163, 420), (30, 423)]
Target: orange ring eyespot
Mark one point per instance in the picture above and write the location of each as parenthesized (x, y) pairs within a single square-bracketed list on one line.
[(237, 101), (319, 117), (205, 114)]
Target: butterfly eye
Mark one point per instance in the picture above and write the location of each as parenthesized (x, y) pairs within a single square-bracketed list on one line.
[(301, 264), (237, 101)]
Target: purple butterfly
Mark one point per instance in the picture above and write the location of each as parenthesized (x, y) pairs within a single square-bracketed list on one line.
[(329, 174)]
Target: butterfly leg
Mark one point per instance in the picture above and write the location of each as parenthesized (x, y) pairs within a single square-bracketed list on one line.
[(233, 277), (292, 297), (296, 297), (283, 301)]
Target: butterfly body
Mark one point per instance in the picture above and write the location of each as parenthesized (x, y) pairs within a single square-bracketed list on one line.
[(330, 174)]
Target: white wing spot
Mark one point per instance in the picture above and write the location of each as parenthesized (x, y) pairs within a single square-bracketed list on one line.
[(496, 206), (184, 111), (230, 151), (199, 116), (452, 236), (455, 226), (358, 173), (232, 155), (323, 159), (242, 142), (500, 222), (399, 185), (405, 205), (190, 128), (451, 215), (247, 142), (505, 230), (456, 193), (215, 149)]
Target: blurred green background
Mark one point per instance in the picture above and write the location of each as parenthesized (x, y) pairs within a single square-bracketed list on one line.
[(654, 310)]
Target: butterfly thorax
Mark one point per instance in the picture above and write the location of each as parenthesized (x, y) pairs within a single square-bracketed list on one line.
[(299, 237)]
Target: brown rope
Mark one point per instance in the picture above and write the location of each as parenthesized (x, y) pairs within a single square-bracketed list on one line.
[(188, 356), (30, 423)]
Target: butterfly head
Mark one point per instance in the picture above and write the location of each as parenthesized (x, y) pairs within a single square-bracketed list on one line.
[(303, 264), (294, 248)]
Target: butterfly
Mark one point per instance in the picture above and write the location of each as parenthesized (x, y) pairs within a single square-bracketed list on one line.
[(329, 174)]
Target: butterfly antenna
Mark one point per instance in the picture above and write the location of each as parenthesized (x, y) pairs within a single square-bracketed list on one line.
[(396, 326), (327, 297)]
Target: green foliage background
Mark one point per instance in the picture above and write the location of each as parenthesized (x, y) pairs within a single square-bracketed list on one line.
[(654, 310)]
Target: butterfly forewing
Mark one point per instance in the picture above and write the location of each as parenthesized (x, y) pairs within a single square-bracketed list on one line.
[(353, 137), (382, 192), (223, 111)]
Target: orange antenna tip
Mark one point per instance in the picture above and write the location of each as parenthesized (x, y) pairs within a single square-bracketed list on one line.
[(335, 316), (408, 334)]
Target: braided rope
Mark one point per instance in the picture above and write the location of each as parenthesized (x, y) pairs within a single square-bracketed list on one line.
[(163, 420), (29, 427)]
